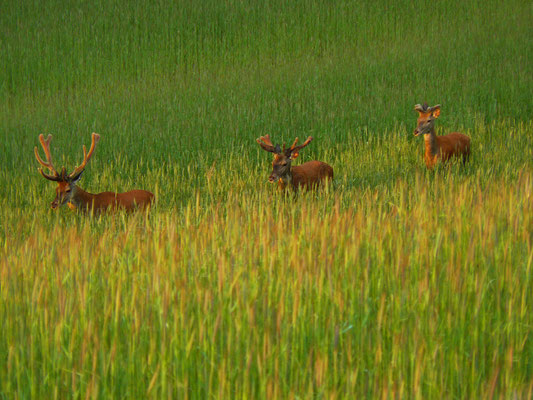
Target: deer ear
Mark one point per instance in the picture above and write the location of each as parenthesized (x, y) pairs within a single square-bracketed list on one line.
[(294, 155), (76, 178), (436, 113)]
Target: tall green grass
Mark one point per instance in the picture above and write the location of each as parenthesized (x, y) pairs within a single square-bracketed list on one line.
[(393, 282)]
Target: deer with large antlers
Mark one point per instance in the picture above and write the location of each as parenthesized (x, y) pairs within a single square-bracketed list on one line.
[(439, 148), (306, 175), (67, 192)]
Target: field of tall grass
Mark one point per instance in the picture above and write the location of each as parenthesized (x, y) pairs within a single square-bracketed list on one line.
[(393, 282)]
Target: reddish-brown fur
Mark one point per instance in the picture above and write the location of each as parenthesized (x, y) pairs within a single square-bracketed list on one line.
[(107, 201), (309, 175), (306, 176), (454, 144), (439, 148), (67, 192)]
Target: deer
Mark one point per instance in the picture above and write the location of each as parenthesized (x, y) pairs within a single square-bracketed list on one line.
[(307, 175), (439, 148), (67, 191)]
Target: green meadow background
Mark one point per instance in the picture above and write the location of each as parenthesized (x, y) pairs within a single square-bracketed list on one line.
[(393, 282)]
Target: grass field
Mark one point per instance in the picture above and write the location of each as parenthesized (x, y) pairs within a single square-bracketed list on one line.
[(394, 282)]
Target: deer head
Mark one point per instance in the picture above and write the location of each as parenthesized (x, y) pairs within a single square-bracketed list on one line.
[(66, 183), (426, 118), (281, 166)]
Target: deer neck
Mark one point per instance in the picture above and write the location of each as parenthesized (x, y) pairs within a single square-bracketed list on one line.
[(285, 180), (430, 140), (81, 199)]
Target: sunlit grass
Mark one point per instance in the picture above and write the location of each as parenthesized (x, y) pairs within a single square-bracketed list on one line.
[(263, 296)]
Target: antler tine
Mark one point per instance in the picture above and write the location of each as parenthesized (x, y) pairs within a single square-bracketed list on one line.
[(295, 148), (55, 178), (419, 108), (86, 157), (266, 143), (48, 164), (294, 144), (46, 147), (267, 140)]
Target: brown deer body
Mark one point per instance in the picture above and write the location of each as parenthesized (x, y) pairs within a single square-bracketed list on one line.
[(439, 148), (67, 191), (99, 202), (306, 176)]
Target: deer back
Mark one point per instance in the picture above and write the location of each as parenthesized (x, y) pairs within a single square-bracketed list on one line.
[(311, 174)]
